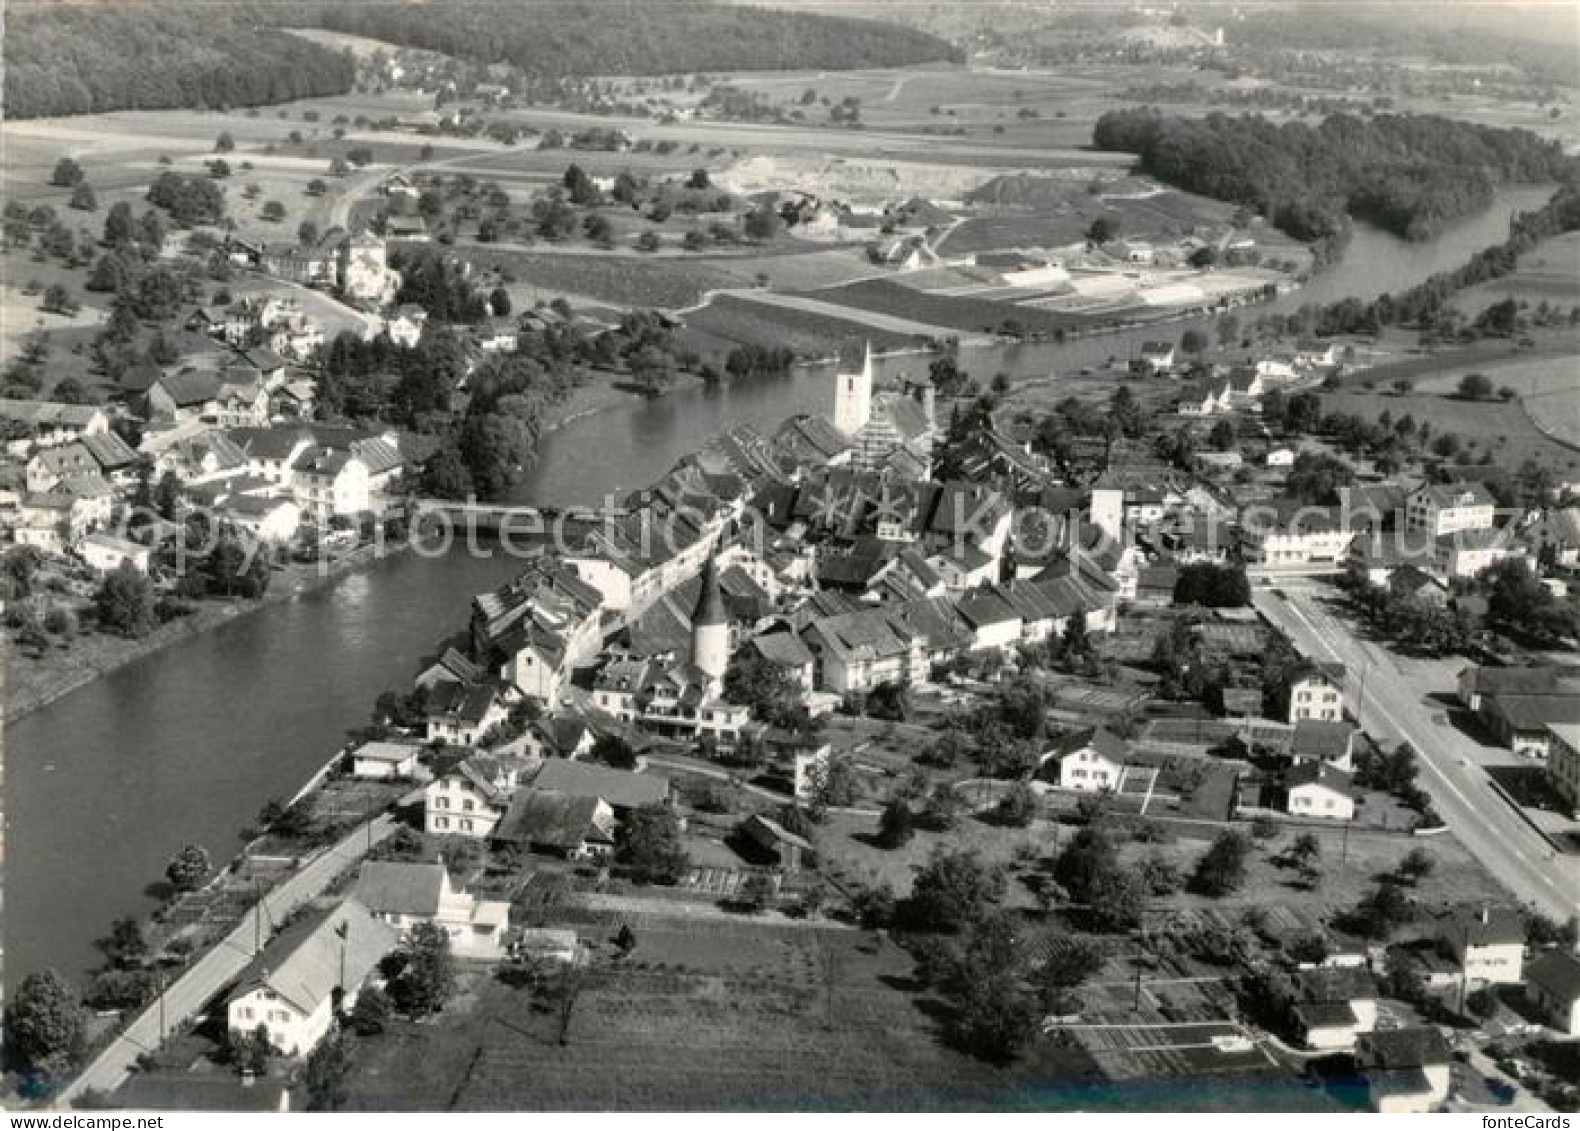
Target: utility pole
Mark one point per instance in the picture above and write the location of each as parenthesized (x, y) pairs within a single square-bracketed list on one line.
[(161, 1009)]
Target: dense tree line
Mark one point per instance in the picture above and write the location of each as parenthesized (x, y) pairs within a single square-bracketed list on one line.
[(627, 37), (1410, 174), (70, 59)]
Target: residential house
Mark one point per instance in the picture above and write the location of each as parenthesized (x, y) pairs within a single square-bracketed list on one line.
[(470, 799), (1316, 352), (1406, 1070), (103, 455), (314, 967), (461, 714), (1466, 553), (1487, 942), (1524, 723), (1316, 789), (381, 760), (1089, 760), (1556, 535), (1316, 691), (48, 424), (266, 518), (104, 553), (787, 652), (558, 824), (1324, 742), (1478, 685), (1448, 508), (1156, 357), (1337, 1005), (1552, 983), (405, 894), (1409, 582), (329, 484)]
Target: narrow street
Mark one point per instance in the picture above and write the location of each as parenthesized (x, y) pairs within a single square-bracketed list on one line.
[(187, 997), (1389, 693)]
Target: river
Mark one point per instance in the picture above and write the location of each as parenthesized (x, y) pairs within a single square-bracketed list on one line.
[(104, 785)]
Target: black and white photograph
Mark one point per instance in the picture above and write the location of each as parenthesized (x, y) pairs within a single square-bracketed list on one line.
[(789, 556)]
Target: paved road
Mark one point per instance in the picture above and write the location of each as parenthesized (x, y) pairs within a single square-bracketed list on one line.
[(1388, 693), (216, 969)]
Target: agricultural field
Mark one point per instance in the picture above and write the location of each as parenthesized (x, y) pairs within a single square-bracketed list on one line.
[(709, 1015), (1548, 273), (1542, 422), (954, 312), (730, 320)]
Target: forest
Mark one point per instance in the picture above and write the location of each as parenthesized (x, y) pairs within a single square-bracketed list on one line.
[(1408, 173), (81, 60), (627, 37)]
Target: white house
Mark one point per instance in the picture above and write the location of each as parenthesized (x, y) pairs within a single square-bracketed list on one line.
[(1316, 691), (1281, 457), (1091, 760), (1338, 1004), (460, 714), (1487, 942), (405, 326), (104, 552), (1316, 789), (470, 799), (385, 760), (405, 894), (293, 986), (1448, 508), (1553, 985), (1407, 1070), (328, 484)]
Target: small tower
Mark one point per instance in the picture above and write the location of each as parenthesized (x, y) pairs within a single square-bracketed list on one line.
[(710, 626), (853, 396)]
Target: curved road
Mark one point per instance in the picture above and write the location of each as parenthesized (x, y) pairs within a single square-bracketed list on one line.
[(1388, 694)]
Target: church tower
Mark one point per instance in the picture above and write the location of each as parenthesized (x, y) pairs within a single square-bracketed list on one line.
[(853, 396), (710, 626)]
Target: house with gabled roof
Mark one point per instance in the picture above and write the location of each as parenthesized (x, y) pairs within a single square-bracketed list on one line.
[(404, 894), (314, 967), (471, 798), (1326, 742), (1552, 983), (48, 424), (1448, 508), (1487, 942), (462, 713), (1090, 760), (1315, 690), (622, 789), (1317, 789), (570, 826)]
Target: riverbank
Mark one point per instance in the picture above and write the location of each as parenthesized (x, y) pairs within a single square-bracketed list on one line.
[(31, 684)]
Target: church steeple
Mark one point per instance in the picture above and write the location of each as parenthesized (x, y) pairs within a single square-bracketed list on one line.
[(853, 396), (710, 625)]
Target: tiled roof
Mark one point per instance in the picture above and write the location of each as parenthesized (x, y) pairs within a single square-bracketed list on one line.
[(304, 963), (400, 888), (619, 788)]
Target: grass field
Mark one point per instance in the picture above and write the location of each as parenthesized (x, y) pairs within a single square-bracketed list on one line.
[(731, 320), (1548, 392), (1548, 273), (709, 1015), (968, 315)]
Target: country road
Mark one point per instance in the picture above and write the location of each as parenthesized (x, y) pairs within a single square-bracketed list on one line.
[(228, 958), (1389, 695)]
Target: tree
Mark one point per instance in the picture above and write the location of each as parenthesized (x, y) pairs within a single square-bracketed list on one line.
[(124, 602), (371, 1013), (1416, 865), (896, 826), (1069, 962), (307, 233), (427, 977), (763, 223), (613, 750), (1018, 805), (769, 689), (273, 211), (44, 1024), (188, 868), (83, 199), (499, 302), (127, 943), (698, 179), (1102, 230), (57, 300), (1222, 868), (67, 173), (325, 1073), (1382, 911), (1475, 386), (224, 143), (648, 844), (953, 889)]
